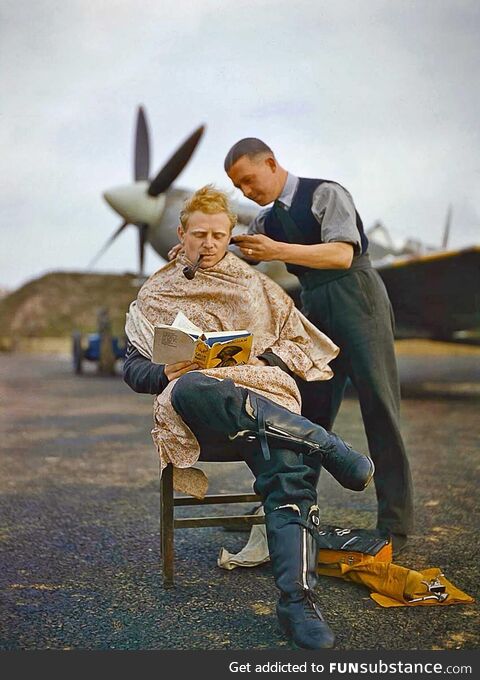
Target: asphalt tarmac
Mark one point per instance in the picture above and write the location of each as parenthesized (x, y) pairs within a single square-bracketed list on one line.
[(79, 522)]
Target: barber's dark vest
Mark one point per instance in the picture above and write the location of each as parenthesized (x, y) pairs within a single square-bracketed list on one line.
[(301, 213)]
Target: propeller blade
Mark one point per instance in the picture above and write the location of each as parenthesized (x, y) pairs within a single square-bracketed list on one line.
[(446, 228), (174, 166), (142, 147), (108, 244), (142, 239)]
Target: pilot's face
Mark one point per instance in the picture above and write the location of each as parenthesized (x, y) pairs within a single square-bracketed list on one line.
[(257, 178), (207, 235)]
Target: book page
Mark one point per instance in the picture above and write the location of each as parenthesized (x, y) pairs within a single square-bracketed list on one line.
[(184, 324), (171, 345)]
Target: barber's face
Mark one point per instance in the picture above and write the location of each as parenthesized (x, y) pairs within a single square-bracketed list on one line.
[(207, 235), (257, 178)]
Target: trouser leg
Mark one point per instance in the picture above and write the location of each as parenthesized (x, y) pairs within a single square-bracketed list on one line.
[(284, 478), (374, 374), (360, 321), (380, 412), (314, 465), (239, 412), (321, 399)]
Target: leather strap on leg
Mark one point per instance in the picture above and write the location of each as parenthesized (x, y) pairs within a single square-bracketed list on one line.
[(262, 435), (266, 431)]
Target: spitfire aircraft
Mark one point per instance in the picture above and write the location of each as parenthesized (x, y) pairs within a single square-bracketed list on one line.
[(433, 294)]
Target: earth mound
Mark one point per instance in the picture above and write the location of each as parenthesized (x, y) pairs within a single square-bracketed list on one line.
[(58, 303)]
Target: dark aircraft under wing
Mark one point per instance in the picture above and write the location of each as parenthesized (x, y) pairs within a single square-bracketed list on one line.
[(435, 295)]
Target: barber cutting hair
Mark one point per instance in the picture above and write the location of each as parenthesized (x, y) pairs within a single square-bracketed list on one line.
[(314, 227)]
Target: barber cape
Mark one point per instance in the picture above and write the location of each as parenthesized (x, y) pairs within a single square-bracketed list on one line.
[(229, 296)]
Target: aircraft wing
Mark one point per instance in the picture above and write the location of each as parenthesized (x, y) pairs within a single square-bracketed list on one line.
[(435, 295)]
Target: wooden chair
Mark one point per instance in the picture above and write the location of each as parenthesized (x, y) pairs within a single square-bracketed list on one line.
[(168, 522)]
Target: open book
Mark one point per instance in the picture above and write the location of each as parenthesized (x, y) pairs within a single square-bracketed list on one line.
[(183, 341)]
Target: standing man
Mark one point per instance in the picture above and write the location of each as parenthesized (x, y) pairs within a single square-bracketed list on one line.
[(314, 228)]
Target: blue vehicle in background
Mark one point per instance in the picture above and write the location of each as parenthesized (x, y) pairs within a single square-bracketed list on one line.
[(89, 350)]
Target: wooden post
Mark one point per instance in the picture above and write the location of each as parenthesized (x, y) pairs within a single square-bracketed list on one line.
[(106, 360), (166, 526)]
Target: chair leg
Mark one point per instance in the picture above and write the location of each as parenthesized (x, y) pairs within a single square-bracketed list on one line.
[(166, 526)]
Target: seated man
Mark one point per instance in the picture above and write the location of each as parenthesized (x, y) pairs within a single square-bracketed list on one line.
[(249, 410)]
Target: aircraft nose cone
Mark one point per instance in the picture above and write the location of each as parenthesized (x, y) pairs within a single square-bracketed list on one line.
[(134, 204)]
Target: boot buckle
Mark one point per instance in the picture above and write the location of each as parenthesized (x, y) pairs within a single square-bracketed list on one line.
[(247, 435)]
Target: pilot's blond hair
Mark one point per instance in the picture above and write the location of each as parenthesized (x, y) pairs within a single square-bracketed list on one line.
[(210, 201)]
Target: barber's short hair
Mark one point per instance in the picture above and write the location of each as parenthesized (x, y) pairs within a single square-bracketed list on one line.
[(210, 201), (250, 147)]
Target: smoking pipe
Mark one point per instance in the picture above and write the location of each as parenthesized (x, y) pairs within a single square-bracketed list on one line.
[(191, 269)]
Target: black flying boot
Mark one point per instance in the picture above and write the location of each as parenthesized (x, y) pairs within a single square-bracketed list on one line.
[(293, 555), (204, 402), (281, 427)]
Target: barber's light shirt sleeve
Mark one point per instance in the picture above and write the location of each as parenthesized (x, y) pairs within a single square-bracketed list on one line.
[(334, 210), (257, 225)]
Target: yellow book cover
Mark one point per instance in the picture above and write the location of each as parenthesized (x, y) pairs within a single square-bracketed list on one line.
[(215, 352)]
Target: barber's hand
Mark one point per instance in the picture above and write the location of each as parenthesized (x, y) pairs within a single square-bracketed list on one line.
[(173, 371), (257, 246), (173, 252), (255, 361)]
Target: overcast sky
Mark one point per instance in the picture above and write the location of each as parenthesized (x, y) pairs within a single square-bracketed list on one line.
[(380, 95)]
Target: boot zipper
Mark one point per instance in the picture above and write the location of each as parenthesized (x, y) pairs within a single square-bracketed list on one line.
[(289, 437), (295, 507), (313, 509), (279, 434), (304, 565)]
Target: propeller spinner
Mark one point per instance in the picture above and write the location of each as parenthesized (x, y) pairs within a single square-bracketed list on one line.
[(142, 203)]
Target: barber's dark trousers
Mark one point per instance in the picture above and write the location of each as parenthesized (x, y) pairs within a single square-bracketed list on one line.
[(355, 312), (201, 400)]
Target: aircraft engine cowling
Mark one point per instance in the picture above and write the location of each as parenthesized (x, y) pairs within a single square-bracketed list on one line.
[(134, 204)]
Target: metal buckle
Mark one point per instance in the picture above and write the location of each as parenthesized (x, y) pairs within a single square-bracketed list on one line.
[(434, 586), (247, 435), (437, 590)]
